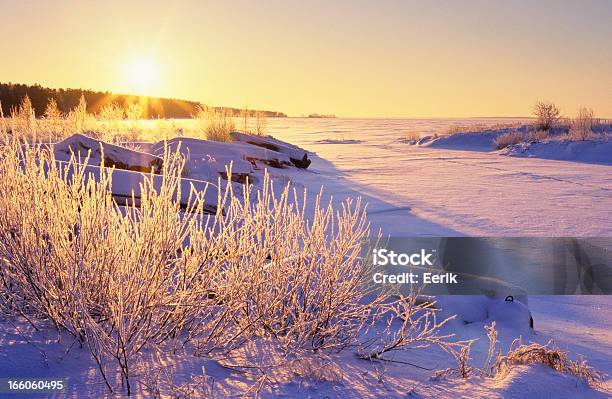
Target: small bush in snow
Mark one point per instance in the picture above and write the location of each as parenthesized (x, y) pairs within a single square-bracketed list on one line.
[(217, 124), (508, 139), (52, 123), (78, 120), (581, 127), (547, 115)]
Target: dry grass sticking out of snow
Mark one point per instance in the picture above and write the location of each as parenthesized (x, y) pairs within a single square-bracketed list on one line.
[(216, 124), (499, 366), (548, 355), (508, 139), (478, 128)]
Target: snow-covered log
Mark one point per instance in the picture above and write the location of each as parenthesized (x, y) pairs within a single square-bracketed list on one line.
[(297, 155), (126, 184), (114, 155), (224, 153)]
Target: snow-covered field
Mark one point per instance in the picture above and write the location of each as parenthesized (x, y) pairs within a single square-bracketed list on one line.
[(411, 191)]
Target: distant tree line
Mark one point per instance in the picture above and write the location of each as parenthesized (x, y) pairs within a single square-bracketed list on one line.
[(11, 95)]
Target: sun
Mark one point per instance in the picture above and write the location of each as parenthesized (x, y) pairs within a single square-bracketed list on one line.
[(142, 75)]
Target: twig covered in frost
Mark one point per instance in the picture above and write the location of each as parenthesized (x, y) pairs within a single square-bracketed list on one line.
[(419, 328)]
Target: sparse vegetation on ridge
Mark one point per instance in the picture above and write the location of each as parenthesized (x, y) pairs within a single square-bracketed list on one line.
[(508, 139), (581, 127), (548, 125)]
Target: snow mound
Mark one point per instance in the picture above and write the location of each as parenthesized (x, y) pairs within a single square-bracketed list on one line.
[(513, 314), (508, 313), (540, 381), (119, 157), (589, 151)]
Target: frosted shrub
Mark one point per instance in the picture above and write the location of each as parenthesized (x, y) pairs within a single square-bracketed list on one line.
[(52, 125), (110, 119), (257, 127), (418, 327), (78, 119), (478, 128), (260, 123), (581, 127), (22, 120), (123, 279), (299, 281), (412, 137), (547, 115)]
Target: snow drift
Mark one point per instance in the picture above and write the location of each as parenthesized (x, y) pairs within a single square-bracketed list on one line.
[(588, 151)]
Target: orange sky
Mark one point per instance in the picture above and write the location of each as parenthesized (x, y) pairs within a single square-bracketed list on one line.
[(350, 58)]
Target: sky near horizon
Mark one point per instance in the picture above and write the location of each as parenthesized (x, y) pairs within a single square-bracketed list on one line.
[(350, 58)]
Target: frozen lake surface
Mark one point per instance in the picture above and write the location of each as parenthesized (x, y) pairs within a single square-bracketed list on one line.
[(414, 190)]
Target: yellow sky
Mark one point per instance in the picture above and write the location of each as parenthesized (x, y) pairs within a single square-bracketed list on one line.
[(385, 58)]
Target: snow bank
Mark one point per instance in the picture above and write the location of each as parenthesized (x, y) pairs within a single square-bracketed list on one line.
[(469, 141), (557, 147), (119, 157), (589, 151)]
